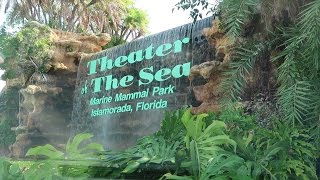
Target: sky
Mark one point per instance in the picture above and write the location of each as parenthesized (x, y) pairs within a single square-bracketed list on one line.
[(160, 16)]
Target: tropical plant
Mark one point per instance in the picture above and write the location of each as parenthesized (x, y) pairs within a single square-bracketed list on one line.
[(237, 148), (9, 171), (75, 150), (164, 148), (26, 52), (265, 151), (243, 62), (117, 17), (152, 150), (204, 143), (278, 31), (172, 128), (9, 107), (196, 7)]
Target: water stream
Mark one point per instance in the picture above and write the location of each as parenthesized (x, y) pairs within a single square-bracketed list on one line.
[(121, 130)]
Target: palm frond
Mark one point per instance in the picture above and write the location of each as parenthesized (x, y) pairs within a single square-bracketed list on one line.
[(309, 26), (244, 59), (236, 13), (296, 101), (299, 73)]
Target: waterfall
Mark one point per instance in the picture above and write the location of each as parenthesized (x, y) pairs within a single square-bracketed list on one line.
[(19, 115), (121, 130)]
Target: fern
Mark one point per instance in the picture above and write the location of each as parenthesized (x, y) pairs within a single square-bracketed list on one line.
[(236, 13), (309, 26), (296, 101), (151, 150), (204, 143), (171, 126), (299, 74), (244, 59), (227, 166)]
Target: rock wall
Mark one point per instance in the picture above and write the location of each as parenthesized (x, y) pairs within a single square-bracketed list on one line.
[(47, 98), (207, 93)]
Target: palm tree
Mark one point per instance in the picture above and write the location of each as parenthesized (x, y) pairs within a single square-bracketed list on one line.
[(68, 15)]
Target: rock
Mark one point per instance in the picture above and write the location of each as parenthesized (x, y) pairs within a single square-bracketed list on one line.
[(4, 151), (47, 97), (26, 141), (208, 93), (222, 43), (70, 47), (206, 107), (205, 69)]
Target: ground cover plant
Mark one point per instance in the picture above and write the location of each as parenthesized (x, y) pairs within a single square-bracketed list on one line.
[(230, 145)]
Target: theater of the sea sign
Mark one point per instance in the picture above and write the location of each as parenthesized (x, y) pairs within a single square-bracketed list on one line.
[(123, 92)]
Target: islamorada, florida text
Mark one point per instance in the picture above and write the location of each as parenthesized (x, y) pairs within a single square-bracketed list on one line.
[(112, 110)]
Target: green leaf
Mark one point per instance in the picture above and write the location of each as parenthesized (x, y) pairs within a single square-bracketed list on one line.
[(73, 145), (92, 147), (131, 167), (175, 177), (46, 150), (243, 61), (14, 169)]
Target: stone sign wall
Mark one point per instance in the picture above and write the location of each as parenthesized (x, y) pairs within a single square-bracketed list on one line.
[(122, 93)]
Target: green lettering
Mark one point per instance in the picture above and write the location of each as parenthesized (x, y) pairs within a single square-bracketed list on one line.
[(164, 47), (146, 76), (125, 80), (135, 57), (106, 64), (92, 65), (122, 59), (149, 52), (97, 84), (177, 73), (162, 74), (178, 44)]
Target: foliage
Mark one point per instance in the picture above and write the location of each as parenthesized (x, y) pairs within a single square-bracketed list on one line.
[(196, 7), (134, 25), (25, 52), (115, 41), (281, 152), (74, 151), (265, 151), (164, 148), (244, 59), (230, 146), (204, 143), (297, 64), (9, 171), (8, 110), (299, 73), (116, 17), (237, 13), (151, 150), (7, 136), (172, 128)]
